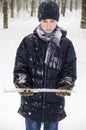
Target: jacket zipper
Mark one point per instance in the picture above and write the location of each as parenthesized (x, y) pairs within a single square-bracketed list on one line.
[(43, 116), (44, 86)]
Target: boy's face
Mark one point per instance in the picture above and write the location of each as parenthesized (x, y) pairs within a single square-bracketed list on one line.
[(48, 25)]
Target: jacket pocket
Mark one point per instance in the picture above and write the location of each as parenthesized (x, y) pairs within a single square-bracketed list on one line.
[(33, 106), (55, 107)]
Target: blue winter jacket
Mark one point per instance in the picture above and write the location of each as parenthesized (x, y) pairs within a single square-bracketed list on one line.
[(32, 71)]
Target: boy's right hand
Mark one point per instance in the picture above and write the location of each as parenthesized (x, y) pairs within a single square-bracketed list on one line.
[(25, 92)]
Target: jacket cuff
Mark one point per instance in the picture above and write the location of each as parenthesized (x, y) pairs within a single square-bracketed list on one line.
[(66, 81)]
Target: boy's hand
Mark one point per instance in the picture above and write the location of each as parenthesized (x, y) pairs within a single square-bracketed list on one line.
[(25, 92), (66, 87)]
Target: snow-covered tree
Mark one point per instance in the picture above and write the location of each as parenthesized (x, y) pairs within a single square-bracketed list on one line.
[(5, 13), (12, 8), (63, 7), (83, 17)]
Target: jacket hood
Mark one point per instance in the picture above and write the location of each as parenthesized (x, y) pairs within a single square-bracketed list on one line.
[(64, 32)]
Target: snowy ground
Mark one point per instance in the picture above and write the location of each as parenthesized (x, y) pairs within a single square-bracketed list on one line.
[(9, 102)]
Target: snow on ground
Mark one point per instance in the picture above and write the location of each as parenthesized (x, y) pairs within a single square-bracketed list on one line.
[(9, 102)]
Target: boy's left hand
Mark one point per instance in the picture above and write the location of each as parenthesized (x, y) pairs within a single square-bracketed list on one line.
[(66, 87)]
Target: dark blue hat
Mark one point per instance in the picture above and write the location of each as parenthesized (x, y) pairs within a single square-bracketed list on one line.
[(48, 10)]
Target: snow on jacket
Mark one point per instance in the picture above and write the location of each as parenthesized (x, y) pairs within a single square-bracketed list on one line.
[(31, 70)]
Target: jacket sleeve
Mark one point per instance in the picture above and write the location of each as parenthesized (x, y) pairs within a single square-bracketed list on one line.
[(21, 72), (68, 71)]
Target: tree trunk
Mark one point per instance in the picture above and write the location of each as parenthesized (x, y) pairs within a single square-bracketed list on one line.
[(71, 5), (39, 2), (1, 5), (18, 6), (5, 14), (83, 17), (32, 7), (25, 5), (63, 7), (12, 8), (59, 2), (76, 4)]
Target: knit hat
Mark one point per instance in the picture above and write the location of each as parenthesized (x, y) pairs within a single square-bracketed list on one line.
[(48, 10)]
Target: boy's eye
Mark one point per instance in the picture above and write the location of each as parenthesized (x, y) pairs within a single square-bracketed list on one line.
[(52, 21), (44, 21)]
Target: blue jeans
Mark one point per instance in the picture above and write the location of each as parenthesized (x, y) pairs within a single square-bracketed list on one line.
[(33, 125)]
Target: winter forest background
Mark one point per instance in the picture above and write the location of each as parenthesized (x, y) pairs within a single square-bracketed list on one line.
[(14, 7), (18, 18)]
